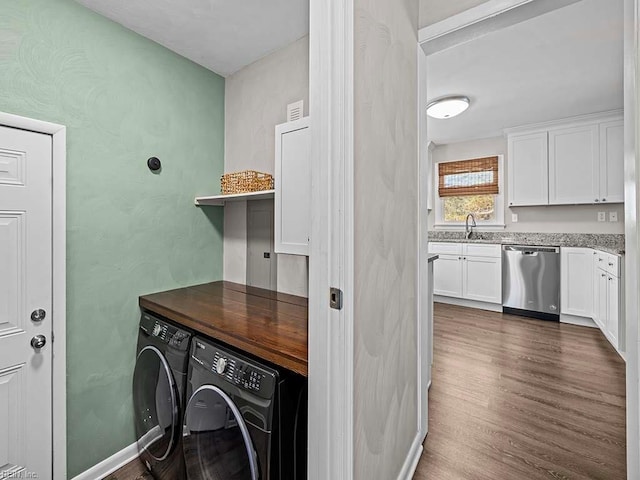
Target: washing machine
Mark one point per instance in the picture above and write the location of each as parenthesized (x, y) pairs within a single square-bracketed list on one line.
[(244, 420), (159, 383)]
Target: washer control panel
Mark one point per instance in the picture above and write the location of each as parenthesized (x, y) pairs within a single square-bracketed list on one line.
[(165, 332), (235, 369)]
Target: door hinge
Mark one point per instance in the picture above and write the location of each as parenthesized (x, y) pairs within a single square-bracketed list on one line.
[(335, 298)]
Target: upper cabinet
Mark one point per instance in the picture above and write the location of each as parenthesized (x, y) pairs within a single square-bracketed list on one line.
[(612, 161), (293, 188), (574, 166), (578, 162), (528, 169)]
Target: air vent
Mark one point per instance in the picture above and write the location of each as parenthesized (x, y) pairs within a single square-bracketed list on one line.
[(295, 111)]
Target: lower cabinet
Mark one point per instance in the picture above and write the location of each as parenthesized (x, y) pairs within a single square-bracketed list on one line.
[(469, 271), (591, 288), (608, 307)]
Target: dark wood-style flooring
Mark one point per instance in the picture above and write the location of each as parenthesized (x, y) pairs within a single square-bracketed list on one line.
[(516, 399)]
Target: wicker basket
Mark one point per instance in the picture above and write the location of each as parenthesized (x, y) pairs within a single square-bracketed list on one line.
[(245, 182)]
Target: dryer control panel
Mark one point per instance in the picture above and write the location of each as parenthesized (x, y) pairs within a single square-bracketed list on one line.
[(165, 332), (236, 369)]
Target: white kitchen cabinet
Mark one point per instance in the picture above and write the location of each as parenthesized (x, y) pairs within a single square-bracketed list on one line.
[(595, 278), (613, 307), (574, 166), (292, 188), (608, 298), (447, 276), (482, 279), (576, 267), (574, 161), (528, 169), (612, 162), (468, 271)]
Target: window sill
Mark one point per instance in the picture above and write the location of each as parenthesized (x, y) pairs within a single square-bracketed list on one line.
[(481, 227)]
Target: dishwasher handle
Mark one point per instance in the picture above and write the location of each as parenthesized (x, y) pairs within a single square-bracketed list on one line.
[(531, 251)]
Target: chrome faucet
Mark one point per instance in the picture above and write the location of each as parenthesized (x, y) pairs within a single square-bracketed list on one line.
[(468, 229)]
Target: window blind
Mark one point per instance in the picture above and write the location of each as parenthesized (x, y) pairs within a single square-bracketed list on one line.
[(478, 176)]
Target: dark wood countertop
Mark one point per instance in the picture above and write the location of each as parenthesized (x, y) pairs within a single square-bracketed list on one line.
[(269, 325)]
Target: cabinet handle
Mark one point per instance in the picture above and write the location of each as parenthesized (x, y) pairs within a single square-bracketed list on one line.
[(602, 275), (597, 200), (604, 199), (610, 278), (611, 264), (459, 258)]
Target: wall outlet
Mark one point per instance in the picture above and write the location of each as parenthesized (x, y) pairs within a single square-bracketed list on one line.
[(602, 216), (514, 217), (613, 216)]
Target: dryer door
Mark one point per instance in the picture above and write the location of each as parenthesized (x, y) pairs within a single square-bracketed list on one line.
[(155, 401), (216, 443)]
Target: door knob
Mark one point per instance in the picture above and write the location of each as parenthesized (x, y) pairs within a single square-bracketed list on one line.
[(38, 342), (38, 315)]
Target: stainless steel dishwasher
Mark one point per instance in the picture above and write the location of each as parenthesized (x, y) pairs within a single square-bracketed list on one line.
[(531, 281)]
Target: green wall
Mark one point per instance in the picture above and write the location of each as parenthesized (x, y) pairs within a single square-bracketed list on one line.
[(123, 99)]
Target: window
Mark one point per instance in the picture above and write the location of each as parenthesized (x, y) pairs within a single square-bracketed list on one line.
[(470, 186)]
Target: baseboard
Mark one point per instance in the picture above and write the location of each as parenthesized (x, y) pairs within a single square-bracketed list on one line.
[(411, 462), (575, 320), (463, 302), (111, 464)]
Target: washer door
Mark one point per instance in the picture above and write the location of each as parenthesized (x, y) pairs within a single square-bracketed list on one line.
[(216, 442), (155, 402)]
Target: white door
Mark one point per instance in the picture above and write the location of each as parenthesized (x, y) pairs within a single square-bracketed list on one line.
[(613, 296), (577, 281), (447, 276), (293, 184), (603, 300), (612, 162), (574, 167), (528, 170), (482, 279), (25, 287)]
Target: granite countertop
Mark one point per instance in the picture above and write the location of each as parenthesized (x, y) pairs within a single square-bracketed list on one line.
[(610, 243)]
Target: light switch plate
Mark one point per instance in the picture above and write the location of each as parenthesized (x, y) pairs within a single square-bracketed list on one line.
[(602, 216), (613, 216), (514, 217)]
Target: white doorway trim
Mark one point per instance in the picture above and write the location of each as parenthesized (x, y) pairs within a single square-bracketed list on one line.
[(632, 239), (59, 278), (453, 27), (331, 332)]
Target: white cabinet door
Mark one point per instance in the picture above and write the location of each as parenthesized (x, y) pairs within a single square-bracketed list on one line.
[(528, 170), (595, 279), (482, 279), (293, 187), (613, 305), (576, 281), (612, 162), (447, 276), (603, 300), (574, 168)]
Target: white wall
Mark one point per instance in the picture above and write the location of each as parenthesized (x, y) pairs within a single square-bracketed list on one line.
[(550, 219), (433, 11), (386, 214), (256, 99)]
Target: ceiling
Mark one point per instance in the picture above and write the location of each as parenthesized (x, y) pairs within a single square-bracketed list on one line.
[(565, 63), (221, 35)]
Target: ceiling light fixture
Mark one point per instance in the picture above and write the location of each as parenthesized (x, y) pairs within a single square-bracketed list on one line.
[(448, 107)]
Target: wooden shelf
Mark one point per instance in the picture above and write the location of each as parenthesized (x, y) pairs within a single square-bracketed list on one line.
[(220, 200)]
